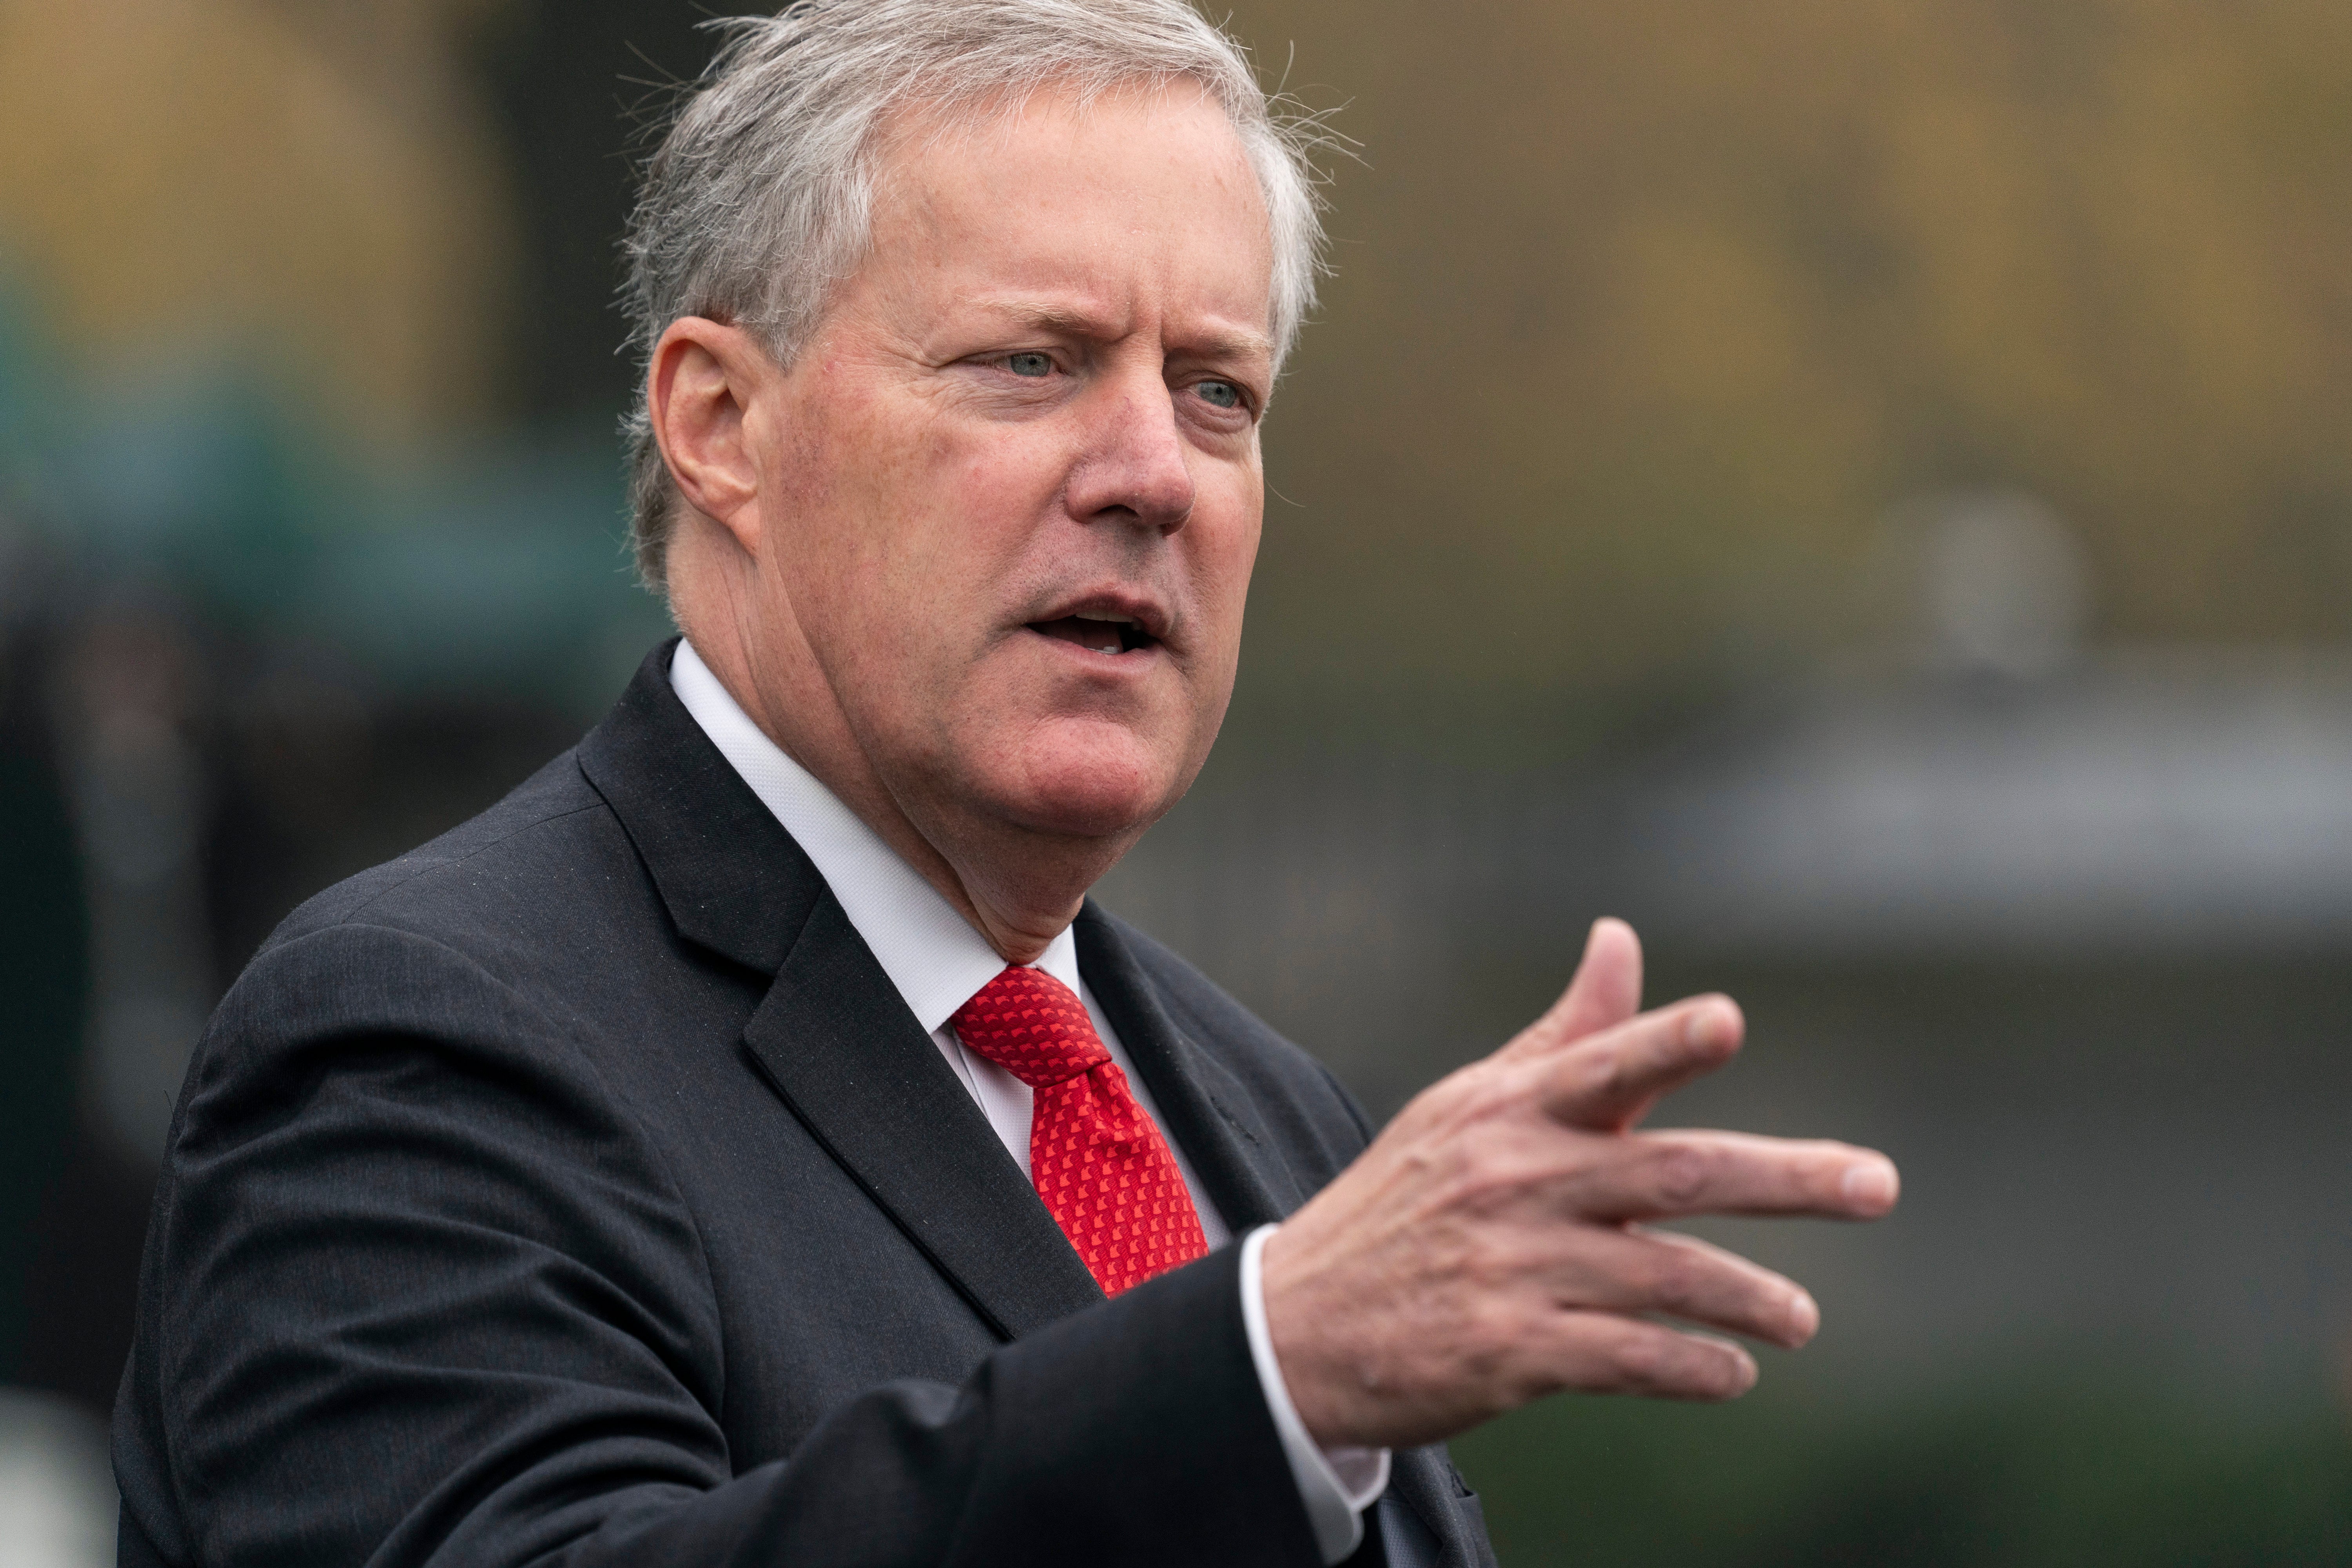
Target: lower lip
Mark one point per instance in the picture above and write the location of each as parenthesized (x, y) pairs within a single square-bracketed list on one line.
[(1106, 660)]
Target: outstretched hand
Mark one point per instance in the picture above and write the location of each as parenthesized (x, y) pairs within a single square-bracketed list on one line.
[(1489, 1247)]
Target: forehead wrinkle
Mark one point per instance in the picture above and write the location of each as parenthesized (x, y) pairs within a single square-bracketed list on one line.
[(1069, 321), (1215, 342)]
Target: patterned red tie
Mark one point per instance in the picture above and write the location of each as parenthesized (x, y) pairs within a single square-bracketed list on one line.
[(1097, 1159)]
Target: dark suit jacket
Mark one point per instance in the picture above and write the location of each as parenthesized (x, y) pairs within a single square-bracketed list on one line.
[(577, 1189)]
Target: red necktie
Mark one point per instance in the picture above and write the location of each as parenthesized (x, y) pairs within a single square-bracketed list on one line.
[(1097, 1158)]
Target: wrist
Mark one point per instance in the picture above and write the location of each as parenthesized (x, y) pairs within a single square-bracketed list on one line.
[(1300, 1340), (1335, 1482)]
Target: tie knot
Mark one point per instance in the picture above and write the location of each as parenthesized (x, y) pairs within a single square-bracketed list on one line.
[(1032, 1025)]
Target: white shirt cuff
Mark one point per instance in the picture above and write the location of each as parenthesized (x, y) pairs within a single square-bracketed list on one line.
[(1336, 1484)]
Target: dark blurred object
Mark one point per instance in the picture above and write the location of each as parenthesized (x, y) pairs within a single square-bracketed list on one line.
[(126, 684), (237, 668), (83, 1282), (173, 789), (575, 83), (131, 690), (43, 976)]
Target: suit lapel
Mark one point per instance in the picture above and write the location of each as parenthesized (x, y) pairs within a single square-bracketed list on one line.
[(1205, 1108), (731, 877), (836, 1039), (832, 1036)]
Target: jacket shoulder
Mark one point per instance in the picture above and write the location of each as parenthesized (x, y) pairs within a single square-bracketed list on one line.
[(455, 881)]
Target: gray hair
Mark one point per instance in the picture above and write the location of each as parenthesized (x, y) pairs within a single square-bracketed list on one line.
[(758, 198)]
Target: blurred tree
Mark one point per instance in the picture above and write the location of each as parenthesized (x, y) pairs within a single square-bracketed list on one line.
[(312, 185), (1645, 315)]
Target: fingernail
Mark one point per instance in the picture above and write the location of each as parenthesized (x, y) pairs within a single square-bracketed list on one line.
[(1804, 1318), (1871, 1183)]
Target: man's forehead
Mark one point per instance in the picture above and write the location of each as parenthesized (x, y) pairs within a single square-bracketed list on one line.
[(1051, 222)]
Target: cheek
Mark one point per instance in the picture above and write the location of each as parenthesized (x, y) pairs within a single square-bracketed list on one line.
[(946, 488), (1223, 555), (945, 524), (879, 505), (932, 535)]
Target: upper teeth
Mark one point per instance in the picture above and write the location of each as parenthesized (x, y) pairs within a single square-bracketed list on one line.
[(1113, 617)]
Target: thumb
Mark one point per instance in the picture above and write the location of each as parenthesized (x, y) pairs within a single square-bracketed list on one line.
[(1606, 991)]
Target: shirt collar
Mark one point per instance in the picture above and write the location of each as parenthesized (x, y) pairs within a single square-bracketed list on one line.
[(931, 953)]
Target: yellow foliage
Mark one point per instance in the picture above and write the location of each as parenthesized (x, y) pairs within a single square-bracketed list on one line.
[(1646, 315), (309, 183)]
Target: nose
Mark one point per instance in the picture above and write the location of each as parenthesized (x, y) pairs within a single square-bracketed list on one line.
[(1134, 466)]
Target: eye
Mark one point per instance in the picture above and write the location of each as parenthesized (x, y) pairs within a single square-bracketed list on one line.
[(1220, 393), (1032, 364)]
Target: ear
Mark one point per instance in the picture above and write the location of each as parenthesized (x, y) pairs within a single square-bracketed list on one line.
[(702, 383)]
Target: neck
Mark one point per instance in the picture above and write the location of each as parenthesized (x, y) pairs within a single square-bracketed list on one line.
[(1018, 887)]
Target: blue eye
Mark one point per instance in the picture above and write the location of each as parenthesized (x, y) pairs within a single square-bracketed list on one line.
[(1220, 393), (1030, 365)]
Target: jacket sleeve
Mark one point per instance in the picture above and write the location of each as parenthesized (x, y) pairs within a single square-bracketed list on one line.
[(418, 1290)]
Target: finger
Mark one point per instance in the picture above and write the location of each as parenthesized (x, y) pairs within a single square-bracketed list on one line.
[(1607, 988), (1640, 1272), (1604, 1352), (1662, 1175), (1610, 1081), (1606, 991)]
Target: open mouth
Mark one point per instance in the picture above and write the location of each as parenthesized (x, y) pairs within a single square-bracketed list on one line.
[(1102, 633)]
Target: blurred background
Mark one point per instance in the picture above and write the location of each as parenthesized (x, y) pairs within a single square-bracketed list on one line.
[(1860, 490)]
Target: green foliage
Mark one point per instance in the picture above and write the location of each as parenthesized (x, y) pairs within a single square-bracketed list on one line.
[(2054, 1470)]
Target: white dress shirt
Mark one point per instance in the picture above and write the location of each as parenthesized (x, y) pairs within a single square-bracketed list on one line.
[(938, 960)]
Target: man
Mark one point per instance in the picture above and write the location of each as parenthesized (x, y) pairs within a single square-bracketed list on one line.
[(744, 1144)]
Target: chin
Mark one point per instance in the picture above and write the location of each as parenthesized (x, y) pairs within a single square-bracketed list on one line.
[(1094, 781)]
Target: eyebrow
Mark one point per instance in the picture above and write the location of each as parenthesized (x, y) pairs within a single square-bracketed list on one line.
[(1222, 342)]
